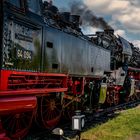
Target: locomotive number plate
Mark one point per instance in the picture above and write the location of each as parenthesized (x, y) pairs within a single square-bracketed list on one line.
[(23, 54)]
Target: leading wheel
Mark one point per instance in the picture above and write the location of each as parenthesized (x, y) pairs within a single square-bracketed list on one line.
[(17, 125), (51, 111)]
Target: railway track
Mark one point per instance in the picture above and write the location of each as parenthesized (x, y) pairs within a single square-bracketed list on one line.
[(91, 120)]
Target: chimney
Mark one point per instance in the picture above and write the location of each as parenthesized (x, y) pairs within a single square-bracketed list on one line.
[(65, 17), (75, 19), (109, 31)]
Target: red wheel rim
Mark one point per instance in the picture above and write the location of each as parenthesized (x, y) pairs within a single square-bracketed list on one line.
[(17, 125), (51, 111)]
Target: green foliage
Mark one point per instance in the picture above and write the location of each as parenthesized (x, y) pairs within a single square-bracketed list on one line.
[(126, 125)]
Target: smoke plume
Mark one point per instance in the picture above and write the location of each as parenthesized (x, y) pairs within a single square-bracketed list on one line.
[(88, 18)]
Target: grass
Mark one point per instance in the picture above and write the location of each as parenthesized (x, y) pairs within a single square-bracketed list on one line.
[(126, 125)]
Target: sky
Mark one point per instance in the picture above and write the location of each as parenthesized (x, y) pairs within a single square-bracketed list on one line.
[(122, 15)]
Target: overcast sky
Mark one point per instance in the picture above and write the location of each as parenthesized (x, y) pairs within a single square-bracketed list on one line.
[(122, 15)]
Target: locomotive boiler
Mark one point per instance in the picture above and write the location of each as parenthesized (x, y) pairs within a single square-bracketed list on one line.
[(49, 67)]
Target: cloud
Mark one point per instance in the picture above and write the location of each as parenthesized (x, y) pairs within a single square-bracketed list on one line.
[(125, 13), (107, 6), (136, 43), (120, 33), (89, 30), (130, 19)]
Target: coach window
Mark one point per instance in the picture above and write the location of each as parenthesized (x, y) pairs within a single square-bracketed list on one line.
[(16, 3), (34, 6)]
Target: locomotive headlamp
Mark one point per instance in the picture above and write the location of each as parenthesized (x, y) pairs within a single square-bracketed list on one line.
[(58, 131), (78, 121)]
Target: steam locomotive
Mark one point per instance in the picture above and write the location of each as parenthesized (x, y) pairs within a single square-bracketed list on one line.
[(49, 68)]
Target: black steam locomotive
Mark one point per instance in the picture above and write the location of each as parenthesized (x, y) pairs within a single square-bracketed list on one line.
[(48, 66)]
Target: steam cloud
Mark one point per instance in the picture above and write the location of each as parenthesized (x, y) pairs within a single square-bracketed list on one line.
[(87, 16)]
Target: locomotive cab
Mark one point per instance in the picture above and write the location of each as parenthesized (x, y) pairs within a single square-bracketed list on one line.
[(21, 45), (22, 35)]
